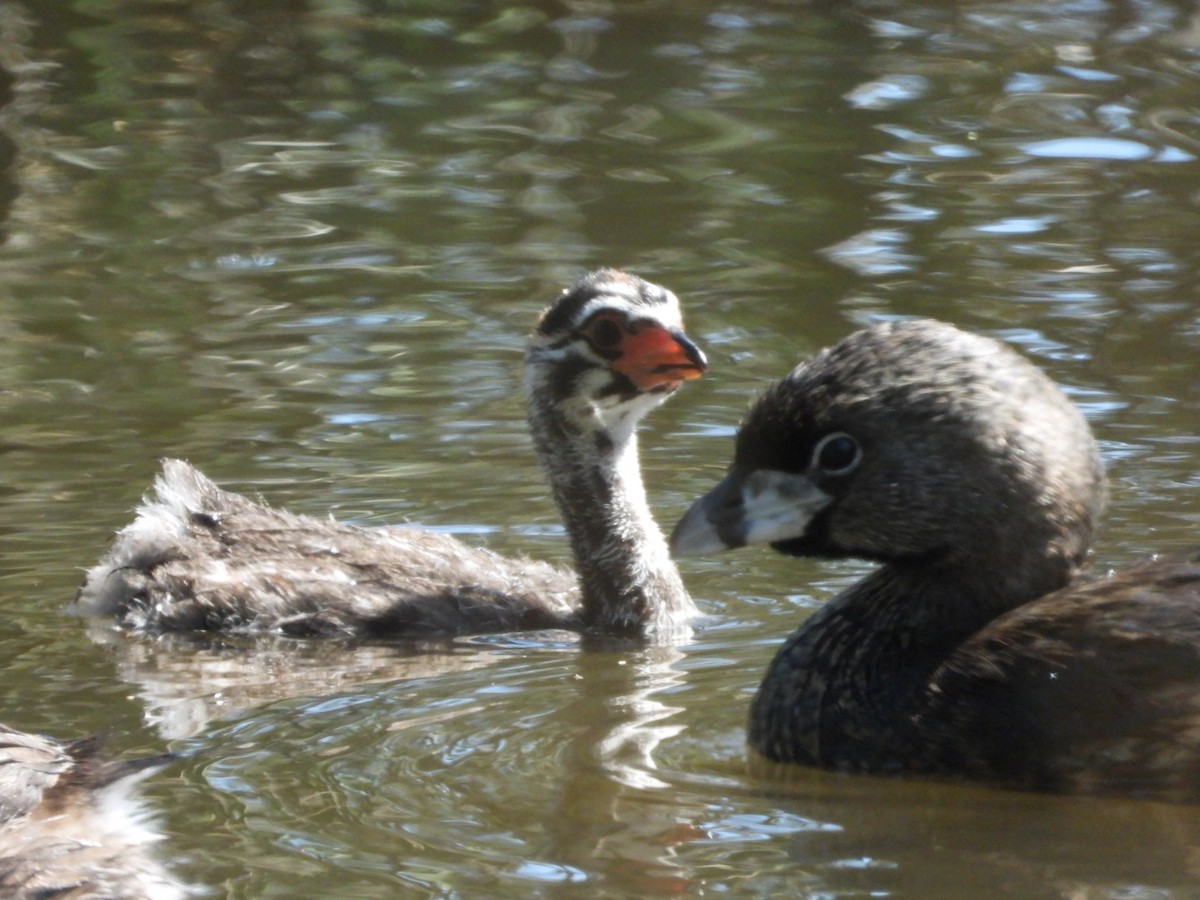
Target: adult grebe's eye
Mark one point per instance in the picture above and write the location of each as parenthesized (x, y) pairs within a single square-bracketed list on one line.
[(837, 454), (605, 332)]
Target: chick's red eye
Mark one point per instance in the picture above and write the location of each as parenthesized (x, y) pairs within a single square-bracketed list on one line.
[(605, 332)]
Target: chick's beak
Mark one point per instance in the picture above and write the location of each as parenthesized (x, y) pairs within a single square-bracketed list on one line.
[(653, 356)]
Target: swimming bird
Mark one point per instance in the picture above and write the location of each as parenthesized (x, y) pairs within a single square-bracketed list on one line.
[(68, 825), (975, 648), (608, 351)]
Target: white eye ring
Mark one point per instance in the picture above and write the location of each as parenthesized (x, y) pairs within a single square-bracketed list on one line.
[(836, 454)]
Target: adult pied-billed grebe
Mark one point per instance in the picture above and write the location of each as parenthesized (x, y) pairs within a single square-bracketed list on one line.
[(607, 352), (68, 825), (968, 475)]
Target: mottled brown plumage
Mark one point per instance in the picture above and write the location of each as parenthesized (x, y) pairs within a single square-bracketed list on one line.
[(68, 827), (974, 649), (608, 351)]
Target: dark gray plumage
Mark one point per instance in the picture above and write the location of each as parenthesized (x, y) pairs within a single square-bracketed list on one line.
[(972, 650), (68, 827), (609, 351)]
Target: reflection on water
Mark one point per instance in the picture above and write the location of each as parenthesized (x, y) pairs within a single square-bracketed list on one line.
[(189, 681), (300, 243)]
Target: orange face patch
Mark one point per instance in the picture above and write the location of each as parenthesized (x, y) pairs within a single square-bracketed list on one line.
[(652, 356)]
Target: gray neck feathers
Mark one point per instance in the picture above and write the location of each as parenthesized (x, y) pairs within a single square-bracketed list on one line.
[(628, 583)]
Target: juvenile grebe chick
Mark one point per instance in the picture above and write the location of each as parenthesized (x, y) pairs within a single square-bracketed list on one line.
[(607, 352)]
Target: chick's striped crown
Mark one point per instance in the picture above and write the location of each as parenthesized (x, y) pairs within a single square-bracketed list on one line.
[(608, 289)]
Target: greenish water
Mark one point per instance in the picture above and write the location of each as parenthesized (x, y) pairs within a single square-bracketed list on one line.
[(300, 244)]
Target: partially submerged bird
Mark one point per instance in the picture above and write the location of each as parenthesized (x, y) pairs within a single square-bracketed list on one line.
[(68, 825), (608, 351), (973, 649)]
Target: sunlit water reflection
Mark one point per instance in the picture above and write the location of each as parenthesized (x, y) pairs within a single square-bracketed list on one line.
[(300, 244)]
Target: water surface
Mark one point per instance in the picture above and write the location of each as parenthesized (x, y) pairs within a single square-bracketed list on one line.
[(301, 243)]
